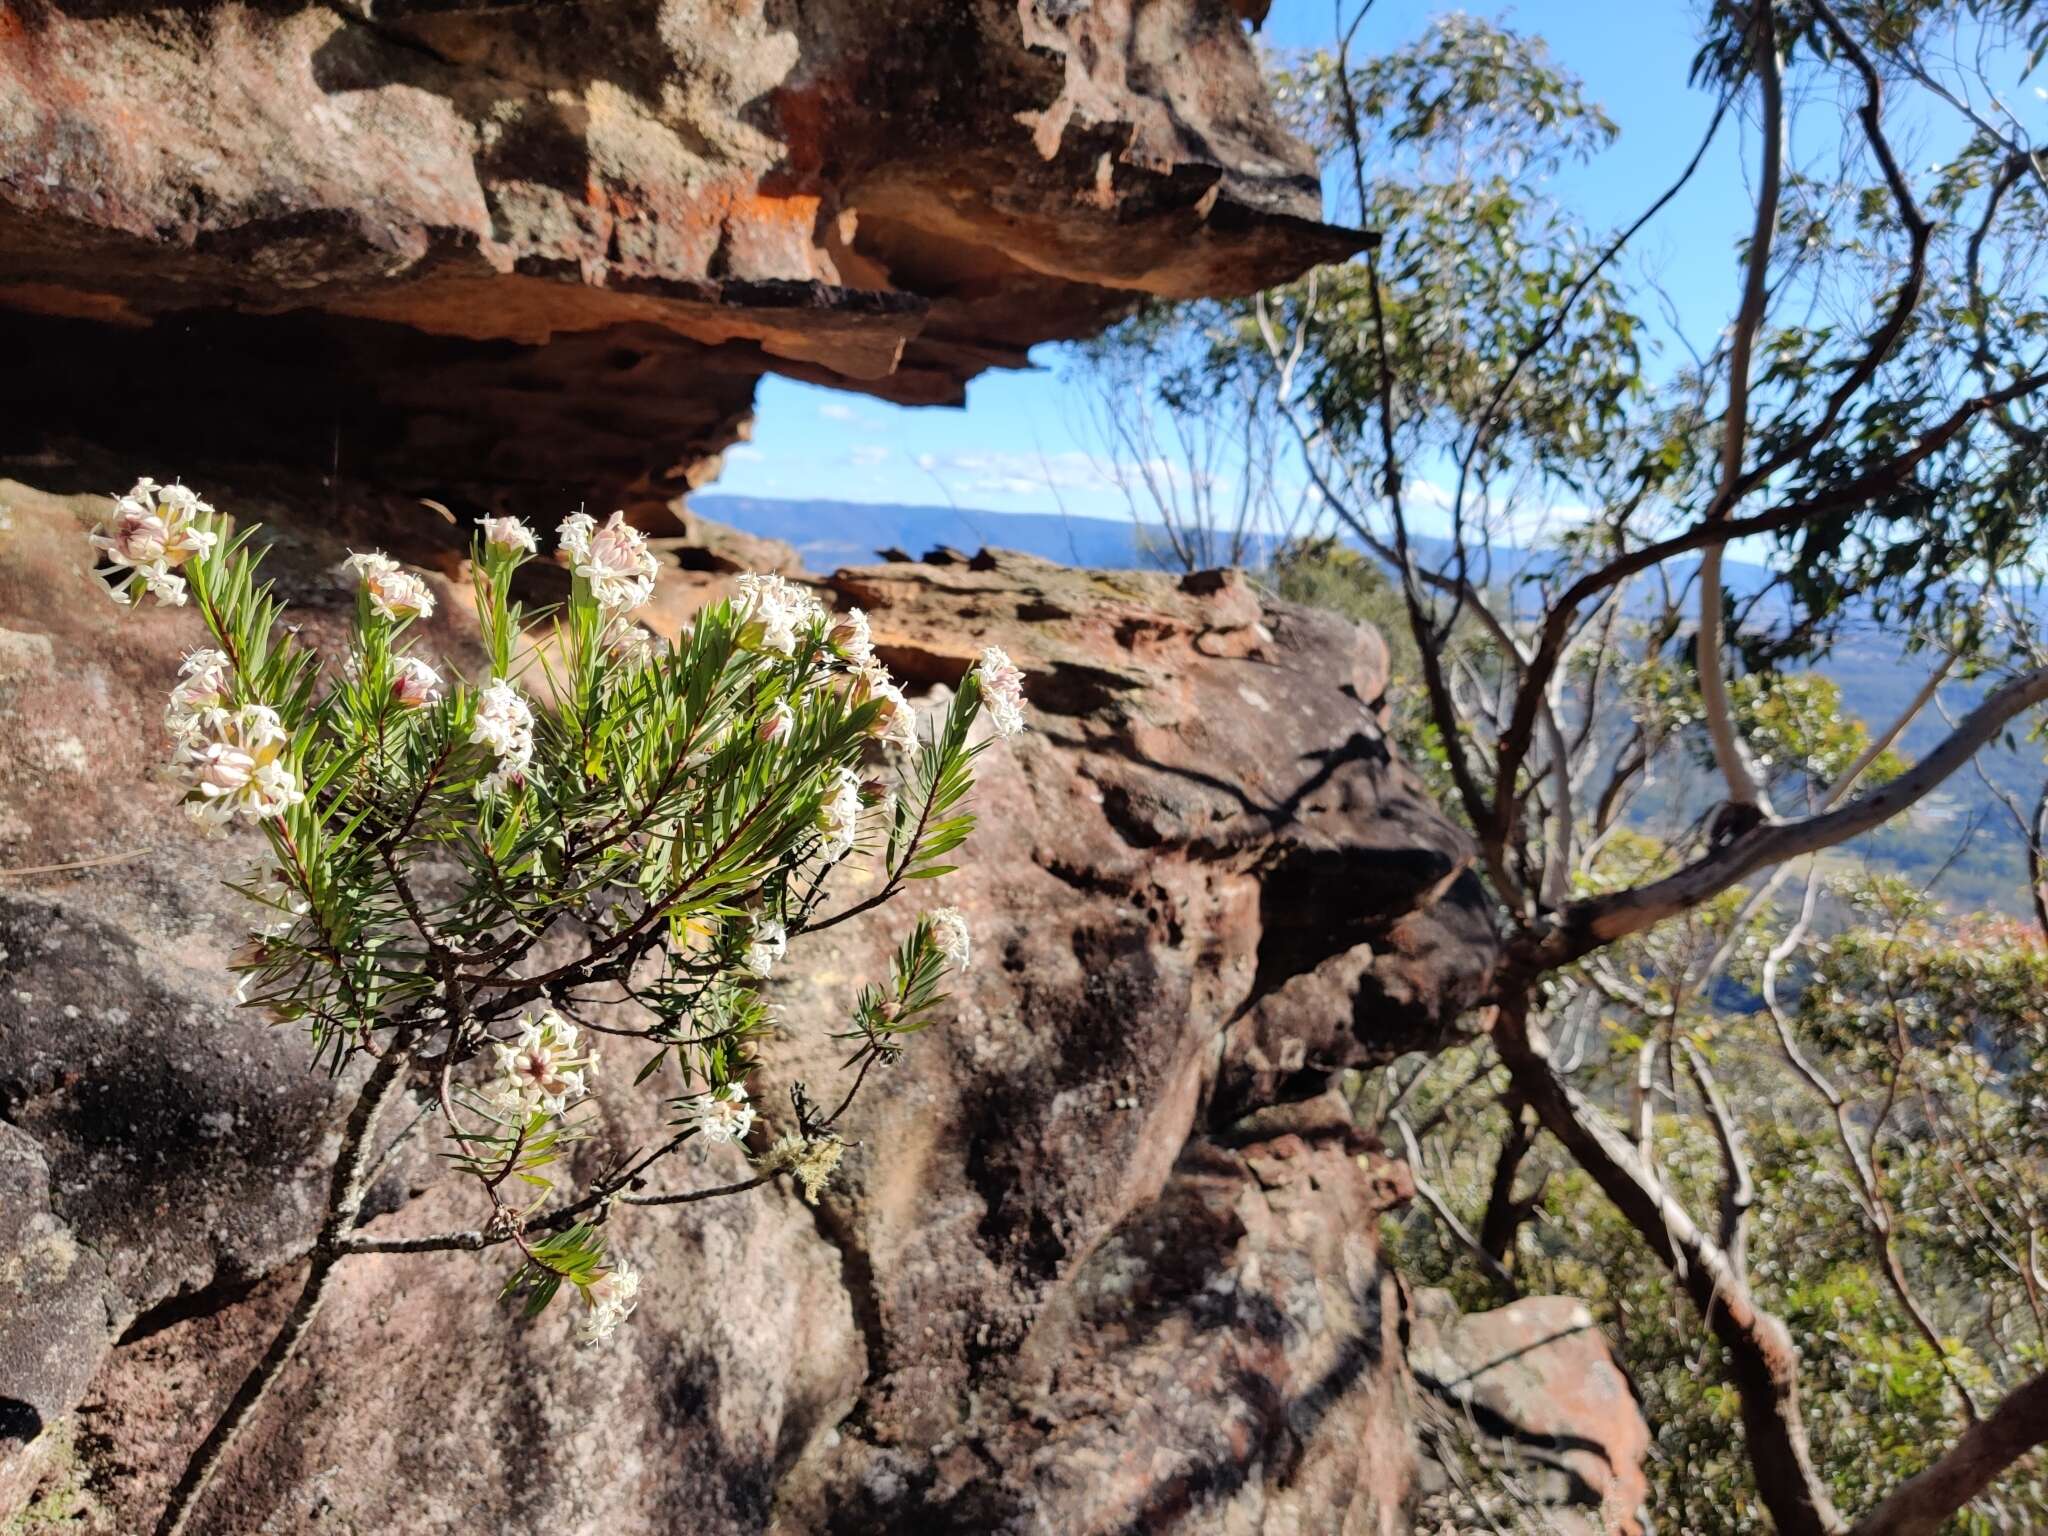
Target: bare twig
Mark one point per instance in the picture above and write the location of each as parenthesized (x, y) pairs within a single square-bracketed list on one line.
[(1426, 1192)]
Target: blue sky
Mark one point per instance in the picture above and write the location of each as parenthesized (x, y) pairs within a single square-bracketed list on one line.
[(1021, 443)]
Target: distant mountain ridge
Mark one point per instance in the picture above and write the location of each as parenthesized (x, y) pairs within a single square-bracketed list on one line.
[(831, 534)]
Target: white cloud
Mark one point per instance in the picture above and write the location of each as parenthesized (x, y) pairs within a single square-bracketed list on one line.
[(832, 410), (866, 455), (744, 453), (993, 473)]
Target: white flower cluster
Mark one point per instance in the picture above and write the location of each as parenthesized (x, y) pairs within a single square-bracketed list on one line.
[(839, 816), (1002, 691), (394, 591), (234, 758), (414, 683), (614, 559), (782, 609), (722, 1115), (851, 638), (612, 1297), (204, 681), (770, 942), (541, 1067), (896, 723), (152, 531), (508, 535), (504, 723), (949, 934), (631, 646)]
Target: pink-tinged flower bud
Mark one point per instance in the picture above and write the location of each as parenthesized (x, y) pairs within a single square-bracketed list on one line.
[(508, 535), (850, 638), (1002, 691), (415, 684), (152, 531), (394, 591), (614, 559), (777, 723), (221, 768), (137, 537)]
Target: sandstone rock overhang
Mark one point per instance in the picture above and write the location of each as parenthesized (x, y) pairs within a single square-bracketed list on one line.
[(495, 253)]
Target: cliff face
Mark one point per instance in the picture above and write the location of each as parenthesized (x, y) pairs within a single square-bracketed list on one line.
[(1104, 1257), (502, 254)]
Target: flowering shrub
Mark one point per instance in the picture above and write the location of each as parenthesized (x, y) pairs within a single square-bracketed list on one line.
[(565, 878)]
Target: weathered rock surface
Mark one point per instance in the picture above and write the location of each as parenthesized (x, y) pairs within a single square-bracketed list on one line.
[(512, 253), (1531, 1388), (1075, 1278)]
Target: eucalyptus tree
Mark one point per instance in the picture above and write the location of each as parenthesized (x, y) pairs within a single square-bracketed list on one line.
[(1868, 420)]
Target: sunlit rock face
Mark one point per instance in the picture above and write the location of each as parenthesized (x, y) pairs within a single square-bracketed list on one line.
[(499, 253), (1103, 1257), (1104, 1254)]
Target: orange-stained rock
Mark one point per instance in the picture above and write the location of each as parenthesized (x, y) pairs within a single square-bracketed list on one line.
[(495, 254), (1534, 1389)]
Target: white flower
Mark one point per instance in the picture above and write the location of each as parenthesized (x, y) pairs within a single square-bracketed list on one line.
[(839, 816), (541, 1068), (414, 683), (721, 1115), (851, 639), (503, 723), (949, 936), (508, 535), (615, 561), (234, 760), (780, 607), (1002, 691), (203, 682), (151, 531), (612, 1296), (394, 591), (508, 775), (573, 533), (770, 943), (777, 723), (896, 722), (631, 646)]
